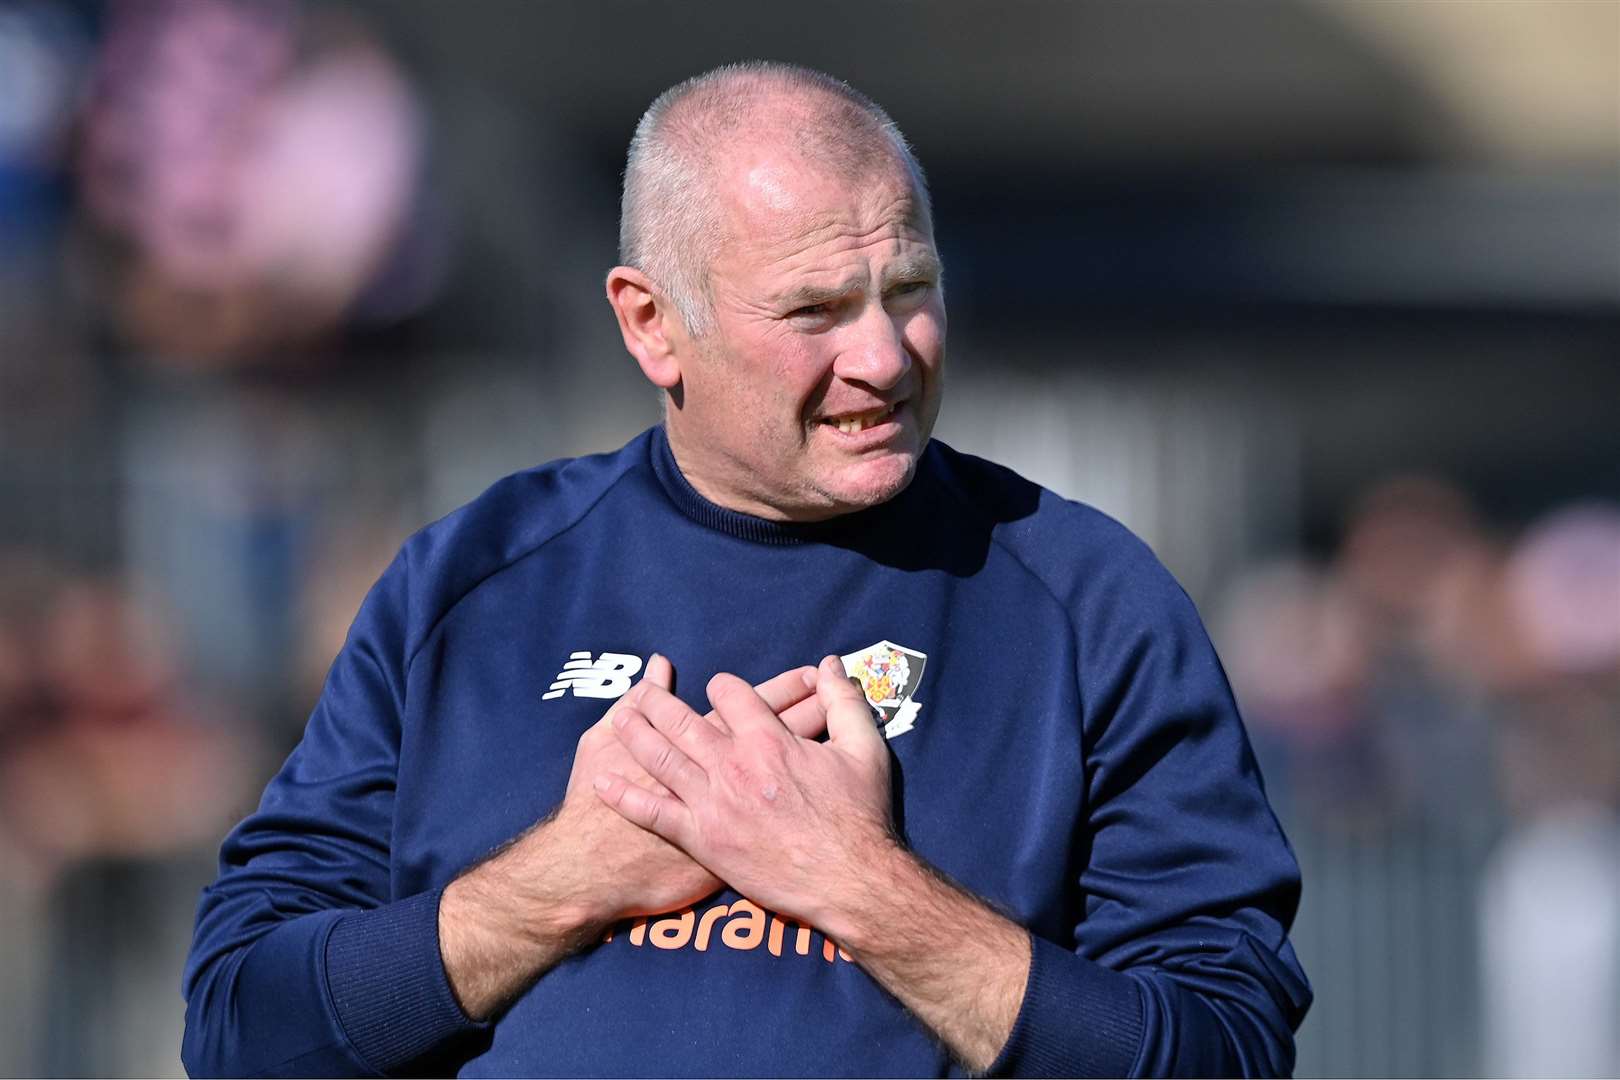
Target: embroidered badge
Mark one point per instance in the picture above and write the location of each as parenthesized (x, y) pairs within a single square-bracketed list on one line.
[(889, 674)]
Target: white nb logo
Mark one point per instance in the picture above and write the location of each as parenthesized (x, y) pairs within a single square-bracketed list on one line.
[(608, 676)]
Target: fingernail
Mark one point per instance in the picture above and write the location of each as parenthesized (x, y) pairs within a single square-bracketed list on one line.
[(600, 783), (621, 718), (856, 683)]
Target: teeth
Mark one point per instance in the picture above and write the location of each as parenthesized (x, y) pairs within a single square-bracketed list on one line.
[(852, 424)]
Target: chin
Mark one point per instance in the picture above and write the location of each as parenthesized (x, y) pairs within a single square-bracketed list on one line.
[(871, 483)]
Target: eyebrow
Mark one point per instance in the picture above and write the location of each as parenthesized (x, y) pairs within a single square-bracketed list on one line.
[(914, 267), (925, 266), (810, 295)]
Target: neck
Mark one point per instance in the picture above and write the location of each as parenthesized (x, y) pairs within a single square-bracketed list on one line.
[(709, 474), (724, 483)]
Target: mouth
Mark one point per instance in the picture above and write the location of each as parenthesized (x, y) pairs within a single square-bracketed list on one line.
[(855, 423)]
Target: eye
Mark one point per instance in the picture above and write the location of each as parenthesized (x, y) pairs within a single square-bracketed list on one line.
[(814, 318), (909, 290)]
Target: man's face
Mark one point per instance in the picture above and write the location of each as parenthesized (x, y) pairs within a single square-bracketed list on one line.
[(819, 382)]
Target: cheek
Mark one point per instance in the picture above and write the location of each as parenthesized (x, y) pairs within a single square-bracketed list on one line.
[(801, 376), (924, 335)]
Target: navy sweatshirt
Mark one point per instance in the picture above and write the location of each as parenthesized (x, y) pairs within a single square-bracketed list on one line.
[(1065, 746)]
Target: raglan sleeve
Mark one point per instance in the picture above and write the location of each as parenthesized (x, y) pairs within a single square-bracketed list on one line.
[(1181, 964), (302, 961)]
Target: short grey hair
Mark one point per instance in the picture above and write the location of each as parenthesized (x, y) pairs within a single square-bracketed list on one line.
[(671, 217)]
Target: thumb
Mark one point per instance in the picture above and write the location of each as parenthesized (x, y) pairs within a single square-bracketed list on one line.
[(849, 717)]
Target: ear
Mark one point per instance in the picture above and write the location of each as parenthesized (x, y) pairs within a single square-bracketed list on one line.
[(650, 325)]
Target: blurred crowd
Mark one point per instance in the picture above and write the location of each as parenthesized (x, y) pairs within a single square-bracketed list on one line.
[(212, 220), (209, 206), (219, 234), (1431, 668), (1438, 675)]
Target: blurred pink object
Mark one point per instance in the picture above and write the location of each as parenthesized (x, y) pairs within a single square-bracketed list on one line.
[(1564, 585), (260, 165), (1294, 647)]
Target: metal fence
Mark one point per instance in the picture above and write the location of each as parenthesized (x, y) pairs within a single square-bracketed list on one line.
[(1388, 933)]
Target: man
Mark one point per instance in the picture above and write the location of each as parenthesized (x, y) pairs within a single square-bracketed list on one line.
[(1028, 837)]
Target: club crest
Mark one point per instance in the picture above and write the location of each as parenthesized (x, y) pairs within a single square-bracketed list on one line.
[(889, 674)]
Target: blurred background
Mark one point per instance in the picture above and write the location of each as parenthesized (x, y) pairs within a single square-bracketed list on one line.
[(1322, 299)]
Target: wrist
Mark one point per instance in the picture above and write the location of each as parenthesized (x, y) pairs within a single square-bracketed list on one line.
[(546, 901), (947, 956), (853, 913)]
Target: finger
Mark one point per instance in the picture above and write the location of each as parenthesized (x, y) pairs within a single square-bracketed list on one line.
[(849, 717), (788, 689), (697, 738), (740, 707), (792, 697), (662, 759), (660, 814), (660, 672), (806, 719)]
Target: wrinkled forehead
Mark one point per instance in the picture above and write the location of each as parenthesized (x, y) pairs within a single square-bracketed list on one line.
[(775, 198)]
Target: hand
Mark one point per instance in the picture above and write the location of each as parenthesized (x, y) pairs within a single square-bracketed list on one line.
[(803, 828), (626, 870), (615, 871), (506, 921), (788, 822)]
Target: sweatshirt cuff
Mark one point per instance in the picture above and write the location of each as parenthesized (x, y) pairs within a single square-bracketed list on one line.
[(1078, 1019), (388, 984)]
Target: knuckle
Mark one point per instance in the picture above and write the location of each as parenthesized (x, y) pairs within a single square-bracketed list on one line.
[(764, 746), (738, 774), (681, 723)]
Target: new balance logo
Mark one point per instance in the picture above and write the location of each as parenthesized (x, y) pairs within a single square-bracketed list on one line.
[(608, 676)]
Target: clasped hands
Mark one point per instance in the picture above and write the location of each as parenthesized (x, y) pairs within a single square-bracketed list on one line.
[(747, 794), (663, 806)]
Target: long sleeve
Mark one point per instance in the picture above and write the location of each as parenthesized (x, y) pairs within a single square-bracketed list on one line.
[(1181, 964), (303, 963)]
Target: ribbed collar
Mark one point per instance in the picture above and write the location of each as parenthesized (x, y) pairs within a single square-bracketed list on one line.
[(863, 523)]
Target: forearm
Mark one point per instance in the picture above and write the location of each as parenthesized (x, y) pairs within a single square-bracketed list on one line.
[(956, 964), (554, 890), (506, 922)]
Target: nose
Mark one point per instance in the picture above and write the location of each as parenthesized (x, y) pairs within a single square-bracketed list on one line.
[(873, 351)]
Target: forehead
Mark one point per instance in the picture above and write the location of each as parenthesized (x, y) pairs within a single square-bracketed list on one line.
[(785, 215)]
